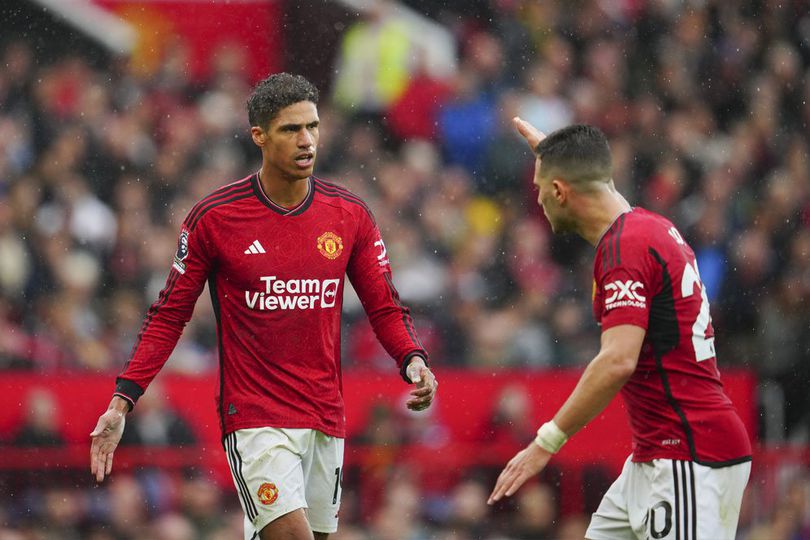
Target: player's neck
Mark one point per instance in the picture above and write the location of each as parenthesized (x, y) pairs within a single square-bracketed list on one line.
[(284, 192), (599, 213)]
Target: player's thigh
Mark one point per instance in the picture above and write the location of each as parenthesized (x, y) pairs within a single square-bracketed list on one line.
[(323, 470), (268, 474), (611, 521), (718, 496), (290, 526)]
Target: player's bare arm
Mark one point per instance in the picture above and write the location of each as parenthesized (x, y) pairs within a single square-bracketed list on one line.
[(425, 381), (106, 436), (599, 384)]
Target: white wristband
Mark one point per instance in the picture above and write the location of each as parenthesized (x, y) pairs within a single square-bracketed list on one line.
[(550, 437)]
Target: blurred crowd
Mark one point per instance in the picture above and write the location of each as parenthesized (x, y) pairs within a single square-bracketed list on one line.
[(189, 505), (706, 105)]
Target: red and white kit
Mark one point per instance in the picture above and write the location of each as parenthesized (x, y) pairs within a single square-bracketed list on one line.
[(646, 275), (691, 453), (276, 280)]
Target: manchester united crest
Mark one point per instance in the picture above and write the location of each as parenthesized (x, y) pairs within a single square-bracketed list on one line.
[(330, 245), (268, 493)]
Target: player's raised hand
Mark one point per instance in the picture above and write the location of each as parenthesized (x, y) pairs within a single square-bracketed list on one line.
[(526, 463), (105, 438), (532, 135), (426, 385)]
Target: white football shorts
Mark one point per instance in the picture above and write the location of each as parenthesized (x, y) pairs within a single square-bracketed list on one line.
[(672, 500), (277, 471)]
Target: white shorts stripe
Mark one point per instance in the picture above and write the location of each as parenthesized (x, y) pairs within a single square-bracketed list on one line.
[(675, 482), (685, 500), (693, 499), (235, 462), (233, 467), (248, 496), (248, 499)]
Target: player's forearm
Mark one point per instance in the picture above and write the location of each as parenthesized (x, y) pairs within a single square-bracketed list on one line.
[(599, 384), (149, 355), (395, 331)]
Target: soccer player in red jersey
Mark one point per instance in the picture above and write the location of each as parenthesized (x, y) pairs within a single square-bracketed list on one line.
[(274, 248), (691, 454)]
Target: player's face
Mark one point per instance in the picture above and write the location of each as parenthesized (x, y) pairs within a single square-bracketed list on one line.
[(547, 199), (292, 140), (544, 198)]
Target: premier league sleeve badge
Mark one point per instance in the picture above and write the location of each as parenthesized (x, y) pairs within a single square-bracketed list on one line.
[(182, 252)]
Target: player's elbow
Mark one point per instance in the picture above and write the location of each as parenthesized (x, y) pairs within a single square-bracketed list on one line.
[(620, 367)]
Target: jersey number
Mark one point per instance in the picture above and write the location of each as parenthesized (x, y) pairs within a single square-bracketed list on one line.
[(652, 519), (338, 481), (704, 346)]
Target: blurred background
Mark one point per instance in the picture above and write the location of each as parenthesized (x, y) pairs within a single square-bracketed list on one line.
[(116, 116)]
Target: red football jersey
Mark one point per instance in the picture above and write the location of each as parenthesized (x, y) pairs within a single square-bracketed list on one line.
[(646, 275), (276, 280)]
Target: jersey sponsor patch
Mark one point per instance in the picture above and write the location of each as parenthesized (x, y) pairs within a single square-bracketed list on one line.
[(624, 294), (181, 253), (293, 294), (382, 256)]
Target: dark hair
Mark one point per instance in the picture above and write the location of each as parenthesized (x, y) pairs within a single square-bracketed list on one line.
[(579, 154), (276, 92)]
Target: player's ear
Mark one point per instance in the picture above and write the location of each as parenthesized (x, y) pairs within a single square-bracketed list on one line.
[(560, 190), (258, 135)]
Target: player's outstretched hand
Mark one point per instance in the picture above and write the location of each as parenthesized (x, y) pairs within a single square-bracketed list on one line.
[(426, 385), (532, 135), (105, 440), (526, 463)]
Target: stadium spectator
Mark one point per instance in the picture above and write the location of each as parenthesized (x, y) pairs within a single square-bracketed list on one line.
[(378, 50), (511, 418), (41, 427), (155, 423), (536, 514)]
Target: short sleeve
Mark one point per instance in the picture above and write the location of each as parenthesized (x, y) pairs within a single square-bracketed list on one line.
[(626, 289)]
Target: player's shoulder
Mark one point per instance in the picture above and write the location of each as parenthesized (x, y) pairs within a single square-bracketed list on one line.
[(220, 198), (648, 233), (641, 225), (340, 196), (630, 238), (659, 232)]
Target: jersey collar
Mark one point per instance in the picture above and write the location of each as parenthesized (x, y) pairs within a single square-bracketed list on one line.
[(277, 208), (613, 224)]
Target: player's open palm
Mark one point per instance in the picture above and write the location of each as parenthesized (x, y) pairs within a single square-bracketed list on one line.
[(105, 438), (526, 463)]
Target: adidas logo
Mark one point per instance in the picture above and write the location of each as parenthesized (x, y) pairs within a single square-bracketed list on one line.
[(255, 248), (231, 410)]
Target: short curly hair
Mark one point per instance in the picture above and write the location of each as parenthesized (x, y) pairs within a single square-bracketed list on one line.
[(276, 92)]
